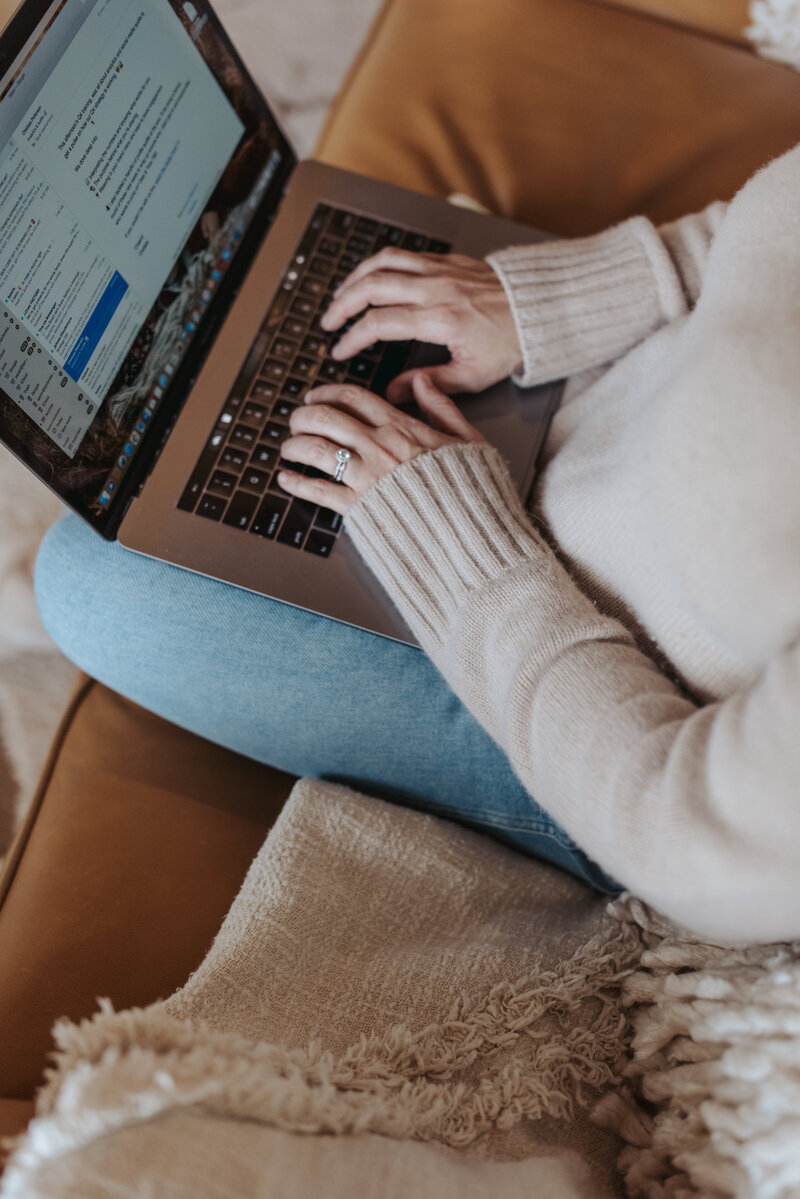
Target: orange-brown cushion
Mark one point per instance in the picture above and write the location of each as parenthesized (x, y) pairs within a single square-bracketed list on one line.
[(137, 844), (566, 114)]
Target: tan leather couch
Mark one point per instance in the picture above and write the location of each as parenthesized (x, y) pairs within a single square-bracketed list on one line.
[(569, 114)]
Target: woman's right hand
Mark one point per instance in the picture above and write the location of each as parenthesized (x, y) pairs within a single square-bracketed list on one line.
[(446, 299)]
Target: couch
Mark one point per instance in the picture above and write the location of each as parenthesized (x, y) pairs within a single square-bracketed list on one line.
[(568, 114)]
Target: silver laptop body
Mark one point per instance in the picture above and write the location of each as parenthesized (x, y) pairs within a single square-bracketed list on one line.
[(143, 513)]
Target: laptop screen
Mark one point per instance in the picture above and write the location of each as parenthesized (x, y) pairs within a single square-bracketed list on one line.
[(135, 152)]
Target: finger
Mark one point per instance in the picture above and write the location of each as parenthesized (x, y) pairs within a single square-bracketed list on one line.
[(334, 423), (336, 496), (440, 409), (398, 431), (394, 324), (449, 378), (453, 378), (357, 401), (321, 454), (377, 290), (393, 259)]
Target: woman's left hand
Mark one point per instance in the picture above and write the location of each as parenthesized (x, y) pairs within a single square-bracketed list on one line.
[(378, 436)]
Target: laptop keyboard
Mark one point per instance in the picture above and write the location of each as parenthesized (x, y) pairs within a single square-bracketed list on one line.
[(234, 480)]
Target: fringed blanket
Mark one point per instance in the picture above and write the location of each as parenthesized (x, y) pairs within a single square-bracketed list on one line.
[(449, 1015)]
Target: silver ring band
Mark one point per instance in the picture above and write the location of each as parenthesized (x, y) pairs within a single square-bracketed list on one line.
[(342, 459)]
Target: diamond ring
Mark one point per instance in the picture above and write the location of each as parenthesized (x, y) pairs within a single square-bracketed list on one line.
[(342, 459)]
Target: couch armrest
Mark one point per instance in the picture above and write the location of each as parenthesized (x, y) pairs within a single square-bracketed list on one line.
[(136, 845)]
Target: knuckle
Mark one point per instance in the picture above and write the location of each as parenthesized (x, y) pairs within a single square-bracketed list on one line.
[(319, 418), (318, 452), (318, 491), (350, 394), (370, 322)]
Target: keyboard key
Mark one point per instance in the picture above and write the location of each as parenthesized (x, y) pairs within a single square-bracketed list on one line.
[(361, 370), (322, 267), (297, 523), (388, 235), (197, 480), (315, 347), (211, 506), (264, 457), (360, 246), (329, 247), (283, 348), (292, 327), (341, 223), (233, 458), (284, 409), (273, 369), (304, 368), (320, 217), (439, 247), (244, 437), (312, 287), (367, 226), (255, 480), (222, 483), (254, 414), (415, 242), (294, 387), (331, 372), (269, 515), (241, 510), (264, 390), (319, 543), (303, 306), (329, 520), (275, 433)]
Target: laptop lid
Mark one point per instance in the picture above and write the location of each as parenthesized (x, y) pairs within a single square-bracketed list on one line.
[(139, 169)]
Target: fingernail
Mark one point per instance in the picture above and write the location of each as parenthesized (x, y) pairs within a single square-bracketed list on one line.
[(282, 477), (336, 351)]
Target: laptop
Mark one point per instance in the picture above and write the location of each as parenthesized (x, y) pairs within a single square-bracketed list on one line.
[(164, 261)]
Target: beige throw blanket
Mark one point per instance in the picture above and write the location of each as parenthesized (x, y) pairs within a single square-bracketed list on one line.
[(448, 1013)]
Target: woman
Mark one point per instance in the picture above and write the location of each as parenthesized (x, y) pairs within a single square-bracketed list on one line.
[(636, 667)]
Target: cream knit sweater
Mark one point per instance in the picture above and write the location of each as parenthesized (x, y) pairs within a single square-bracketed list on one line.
[(639, 663)]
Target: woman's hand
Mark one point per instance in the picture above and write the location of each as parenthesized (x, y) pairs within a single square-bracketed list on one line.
[(379, 438), (447, 299)]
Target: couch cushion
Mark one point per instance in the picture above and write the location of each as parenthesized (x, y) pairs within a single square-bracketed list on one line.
[(136, 846), (567, 114)]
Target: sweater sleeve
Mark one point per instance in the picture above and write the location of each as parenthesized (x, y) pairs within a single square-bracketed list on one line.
[(581, 302), (692, 808)]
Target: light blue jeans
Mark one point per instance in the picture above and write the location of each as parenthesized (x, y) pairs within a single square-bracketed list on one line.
[(301, 692)]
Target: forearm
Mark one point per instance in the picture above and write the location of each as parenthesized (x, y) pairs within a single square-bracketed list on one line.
[(581, 302), (662, 794)]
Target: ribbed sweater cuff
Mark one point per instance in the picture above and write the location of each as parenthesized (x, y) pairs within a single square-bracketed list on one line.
[(439, 527), (584, 301)]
